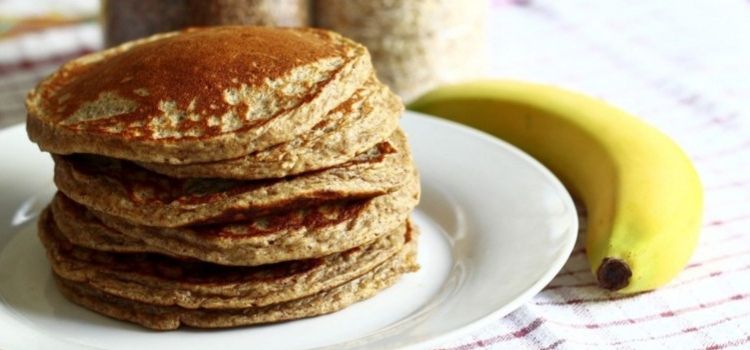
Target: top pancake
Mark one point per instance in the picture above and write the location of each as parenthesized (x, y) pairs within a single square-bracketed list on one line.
[(196, 96), (367, 118)]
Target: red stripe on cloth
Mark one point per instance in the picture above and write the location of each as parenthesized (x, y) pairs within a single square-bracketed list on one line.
[(520, 333), (683, 331), (31, 64), (718, 258), (715, 121), (553, 345), (720, 222), (701, 306), (730, 344), (712, 274)]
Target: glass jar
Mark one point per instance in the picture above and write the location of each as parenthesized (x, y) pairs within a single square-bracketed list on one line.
[(415, 44), (126, 20)]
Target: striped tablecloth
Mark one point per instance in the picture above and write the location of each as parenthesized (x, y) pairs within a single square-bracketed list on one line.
[(684, 66)]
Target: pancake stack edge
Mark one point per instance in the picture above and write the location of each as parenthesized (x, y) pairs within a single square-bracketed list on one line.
[(224, 177)]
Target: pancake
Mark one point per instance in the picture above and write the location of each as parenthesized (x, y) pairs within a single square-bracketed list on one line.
[(369, 117), (171, 317), (224, 176), (303, 233), (141, 196), (199, 95), (161, 280)]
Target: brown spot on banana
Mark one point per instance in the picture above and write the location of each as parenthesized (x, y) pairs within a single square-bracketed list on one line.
[(613, 274)]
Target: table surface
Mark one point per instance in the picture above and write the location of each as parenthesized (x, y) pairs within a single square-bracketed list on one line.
[(682, 66)]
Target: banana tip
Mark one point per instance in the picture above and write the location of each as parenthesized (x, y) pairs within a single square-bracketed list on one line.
[(613, 274)]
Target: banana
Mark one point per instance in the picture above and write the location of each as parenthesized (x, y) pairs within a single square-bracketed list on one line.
[(643, 196)]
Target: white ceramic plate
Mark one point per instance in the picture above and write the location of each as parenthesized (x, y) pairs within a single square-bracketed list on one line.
[(496, 227)]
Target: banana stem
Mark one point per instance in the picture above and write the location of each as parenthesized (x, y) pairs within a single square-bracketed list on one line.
[(613, 274)]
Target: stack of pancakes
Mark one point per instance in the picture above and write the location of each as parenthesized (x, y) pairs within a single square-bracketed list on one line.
[(224, 177)]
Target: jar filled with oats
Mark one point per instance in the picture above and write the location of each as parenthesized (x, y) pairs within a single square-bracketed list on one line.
[(415, 44), (126, 20)]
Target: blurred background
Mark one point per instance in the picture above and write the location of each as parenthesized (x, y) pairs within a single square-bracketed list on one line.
[(695, 53)]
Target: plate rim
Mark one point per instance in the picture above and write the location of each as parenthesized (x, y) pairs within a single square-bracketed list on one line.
[(571, 233), (555, 267)]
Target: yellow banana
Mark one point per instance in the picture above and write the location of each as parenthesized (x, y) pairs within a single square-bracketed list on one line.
[(643, 196)]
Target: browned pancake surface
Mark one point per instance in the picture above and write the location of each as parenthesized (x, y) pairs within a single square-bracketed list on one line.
[(370, 116), (198, 95)]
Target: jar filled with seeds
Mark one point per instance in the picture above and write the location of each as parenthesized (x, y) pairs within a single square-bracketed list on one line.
[(126, 20), (415, 44)]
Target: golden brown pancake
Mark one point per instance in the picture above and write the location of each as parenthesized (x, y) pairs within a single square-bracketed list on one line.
[(355, 126), (141, 196), (189, 283), (172, 317), (302, 233), (199, 95), (225, 176)]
